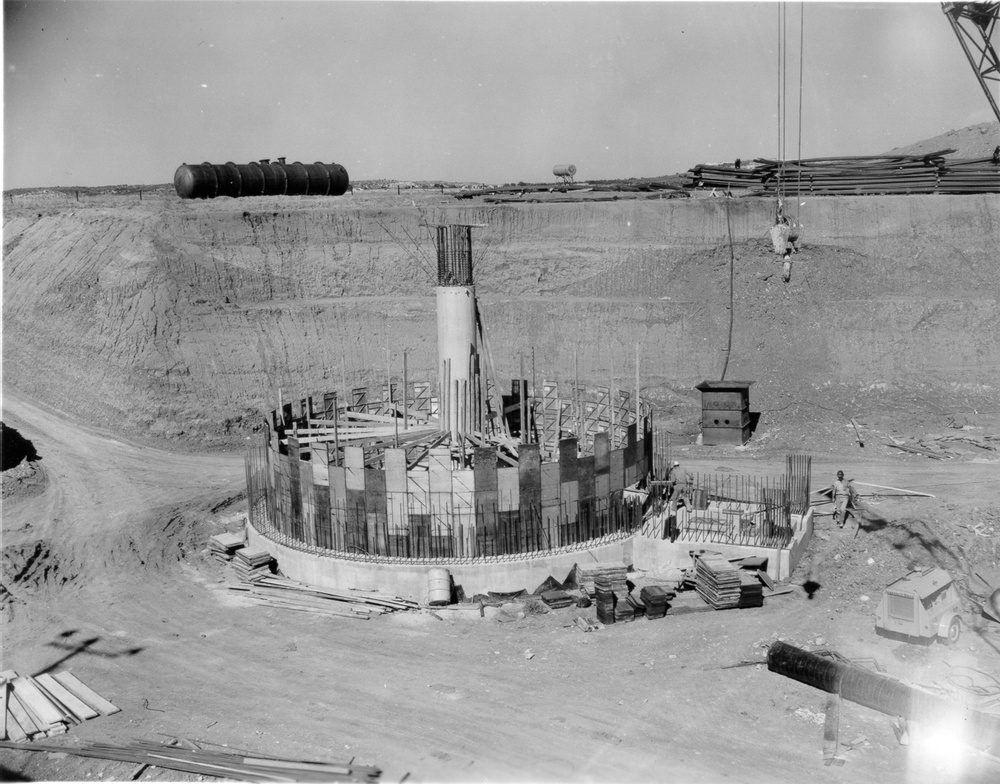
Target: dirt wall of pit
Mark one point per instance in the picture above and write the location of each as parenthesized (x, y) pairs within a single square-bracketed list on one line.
[(182, 320)]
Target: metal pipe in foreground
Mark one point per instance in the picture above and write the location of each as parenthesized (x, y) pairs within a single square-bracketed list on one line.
[(881, 693)]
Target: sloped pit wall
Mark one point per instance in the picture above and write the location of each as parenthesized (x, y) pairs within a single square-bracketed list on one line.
[(179, 318)]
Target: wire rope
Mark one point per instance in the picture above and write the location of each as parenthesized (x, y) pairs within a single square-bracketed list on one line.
[(732, 278), (798, 179)]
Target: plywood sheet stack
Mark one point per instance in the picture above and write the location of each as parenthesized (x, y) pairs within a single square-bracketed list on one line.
[(656, 600), (611, 594), (717, 581), (46, 705), (224, 546), (253, 565), (751, 590), (556, 598), (586, 574)]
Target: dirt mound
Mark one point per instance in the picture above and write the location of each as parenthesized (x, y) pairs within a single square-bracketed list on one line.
[(976, 141)]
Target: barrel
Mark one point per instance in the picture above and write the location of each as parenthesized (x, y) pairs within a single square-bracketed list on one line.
[(438, 587)]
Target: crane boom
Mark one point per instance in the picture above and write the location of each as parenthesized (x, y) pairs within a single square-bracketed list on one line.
[(974, 24)]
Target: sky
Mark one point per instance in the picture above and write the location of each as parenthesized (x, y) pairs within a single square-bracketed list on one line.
[(123, 92)]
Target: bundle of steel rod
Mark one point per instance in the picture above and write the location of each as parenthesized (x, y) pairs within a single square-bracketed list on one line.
[(291, 595), (717, 581), (223, 546), (238, 766), (46, 705), (900, 174)]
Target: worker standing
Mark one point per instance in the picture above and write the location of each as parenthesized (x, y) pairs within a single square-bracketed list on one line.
[(681, 482), (842, 493)]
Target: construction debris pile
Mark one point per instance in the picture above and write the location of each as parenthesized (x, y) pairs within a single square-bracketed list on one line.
[(46, 705), (228, 764), (859, 175)]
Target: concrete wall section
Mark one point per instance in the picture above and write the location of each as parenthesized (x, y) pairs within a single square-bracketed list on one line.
[(409, 580), (657, 556)]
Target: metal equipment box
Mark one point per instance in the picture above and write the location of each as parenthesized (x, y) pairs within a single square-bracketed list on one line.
[(725, 412)]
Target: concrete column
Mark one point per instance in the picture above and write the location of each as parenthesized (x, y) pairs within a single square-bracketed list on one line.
[(456, 320)]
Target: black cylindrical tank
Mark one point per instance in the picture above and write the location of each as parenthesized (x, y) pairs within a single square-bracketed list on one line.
[(298, 179), (208, 180)]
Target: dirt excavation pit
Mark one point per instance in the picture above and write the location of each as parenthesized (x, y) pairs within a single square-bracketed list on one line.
[(139, 370)]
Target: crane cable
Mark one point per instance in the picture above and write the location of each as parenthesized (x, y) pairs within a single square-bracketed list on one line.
[(782, 119), (798, 178)]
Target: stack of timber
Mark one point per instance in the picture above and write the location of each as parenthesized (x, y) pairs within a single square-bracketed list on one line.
[(253, 565), (751, 590), (717, 581), (233, 765), (46, 705), (858, 175), (224, 546), (638, 608), (291, 595), (557, 598), (611, 592), (656, 600), (587, 574)]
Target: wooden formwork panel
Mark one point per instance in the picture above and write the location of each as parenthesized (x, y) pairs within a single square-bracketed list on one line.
[(395, 490), (616, 475), (324, 524), (530, 486), (375, 509), (586, 475)]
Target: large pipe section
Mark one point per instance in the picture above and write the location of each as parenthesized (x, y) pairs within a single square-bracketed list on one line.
[(458, 346), (260, 178), (881, 693)]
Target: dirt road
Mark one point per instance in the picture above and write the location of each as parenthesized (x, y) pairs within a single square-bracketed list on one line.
[(147, 619)]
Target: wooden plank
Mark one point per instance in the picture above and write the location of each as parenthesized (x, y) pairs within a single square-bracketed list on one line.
[(4, 688), (70, 701), (85, 693), (21, 717), (13, 729), (36, 703)]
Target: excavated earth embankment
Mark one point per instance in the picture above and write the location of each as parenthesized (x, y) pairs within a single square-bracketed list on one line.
[(181, 320), (128, 322)]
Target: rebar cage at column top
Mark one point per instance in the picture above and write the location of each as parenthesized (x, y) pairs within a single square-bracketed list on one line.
[(454, 254)]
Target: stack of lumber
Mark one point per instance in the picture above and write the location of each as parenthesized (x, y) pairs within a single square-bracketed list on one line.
[(46, 705), (586, 575), (253, 565), (224, 546), (751, 590), (638, 608), (656, 600), (929, 173), (236, 766), (291, 595), (717, 581), (557, 598), (611, 592)]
